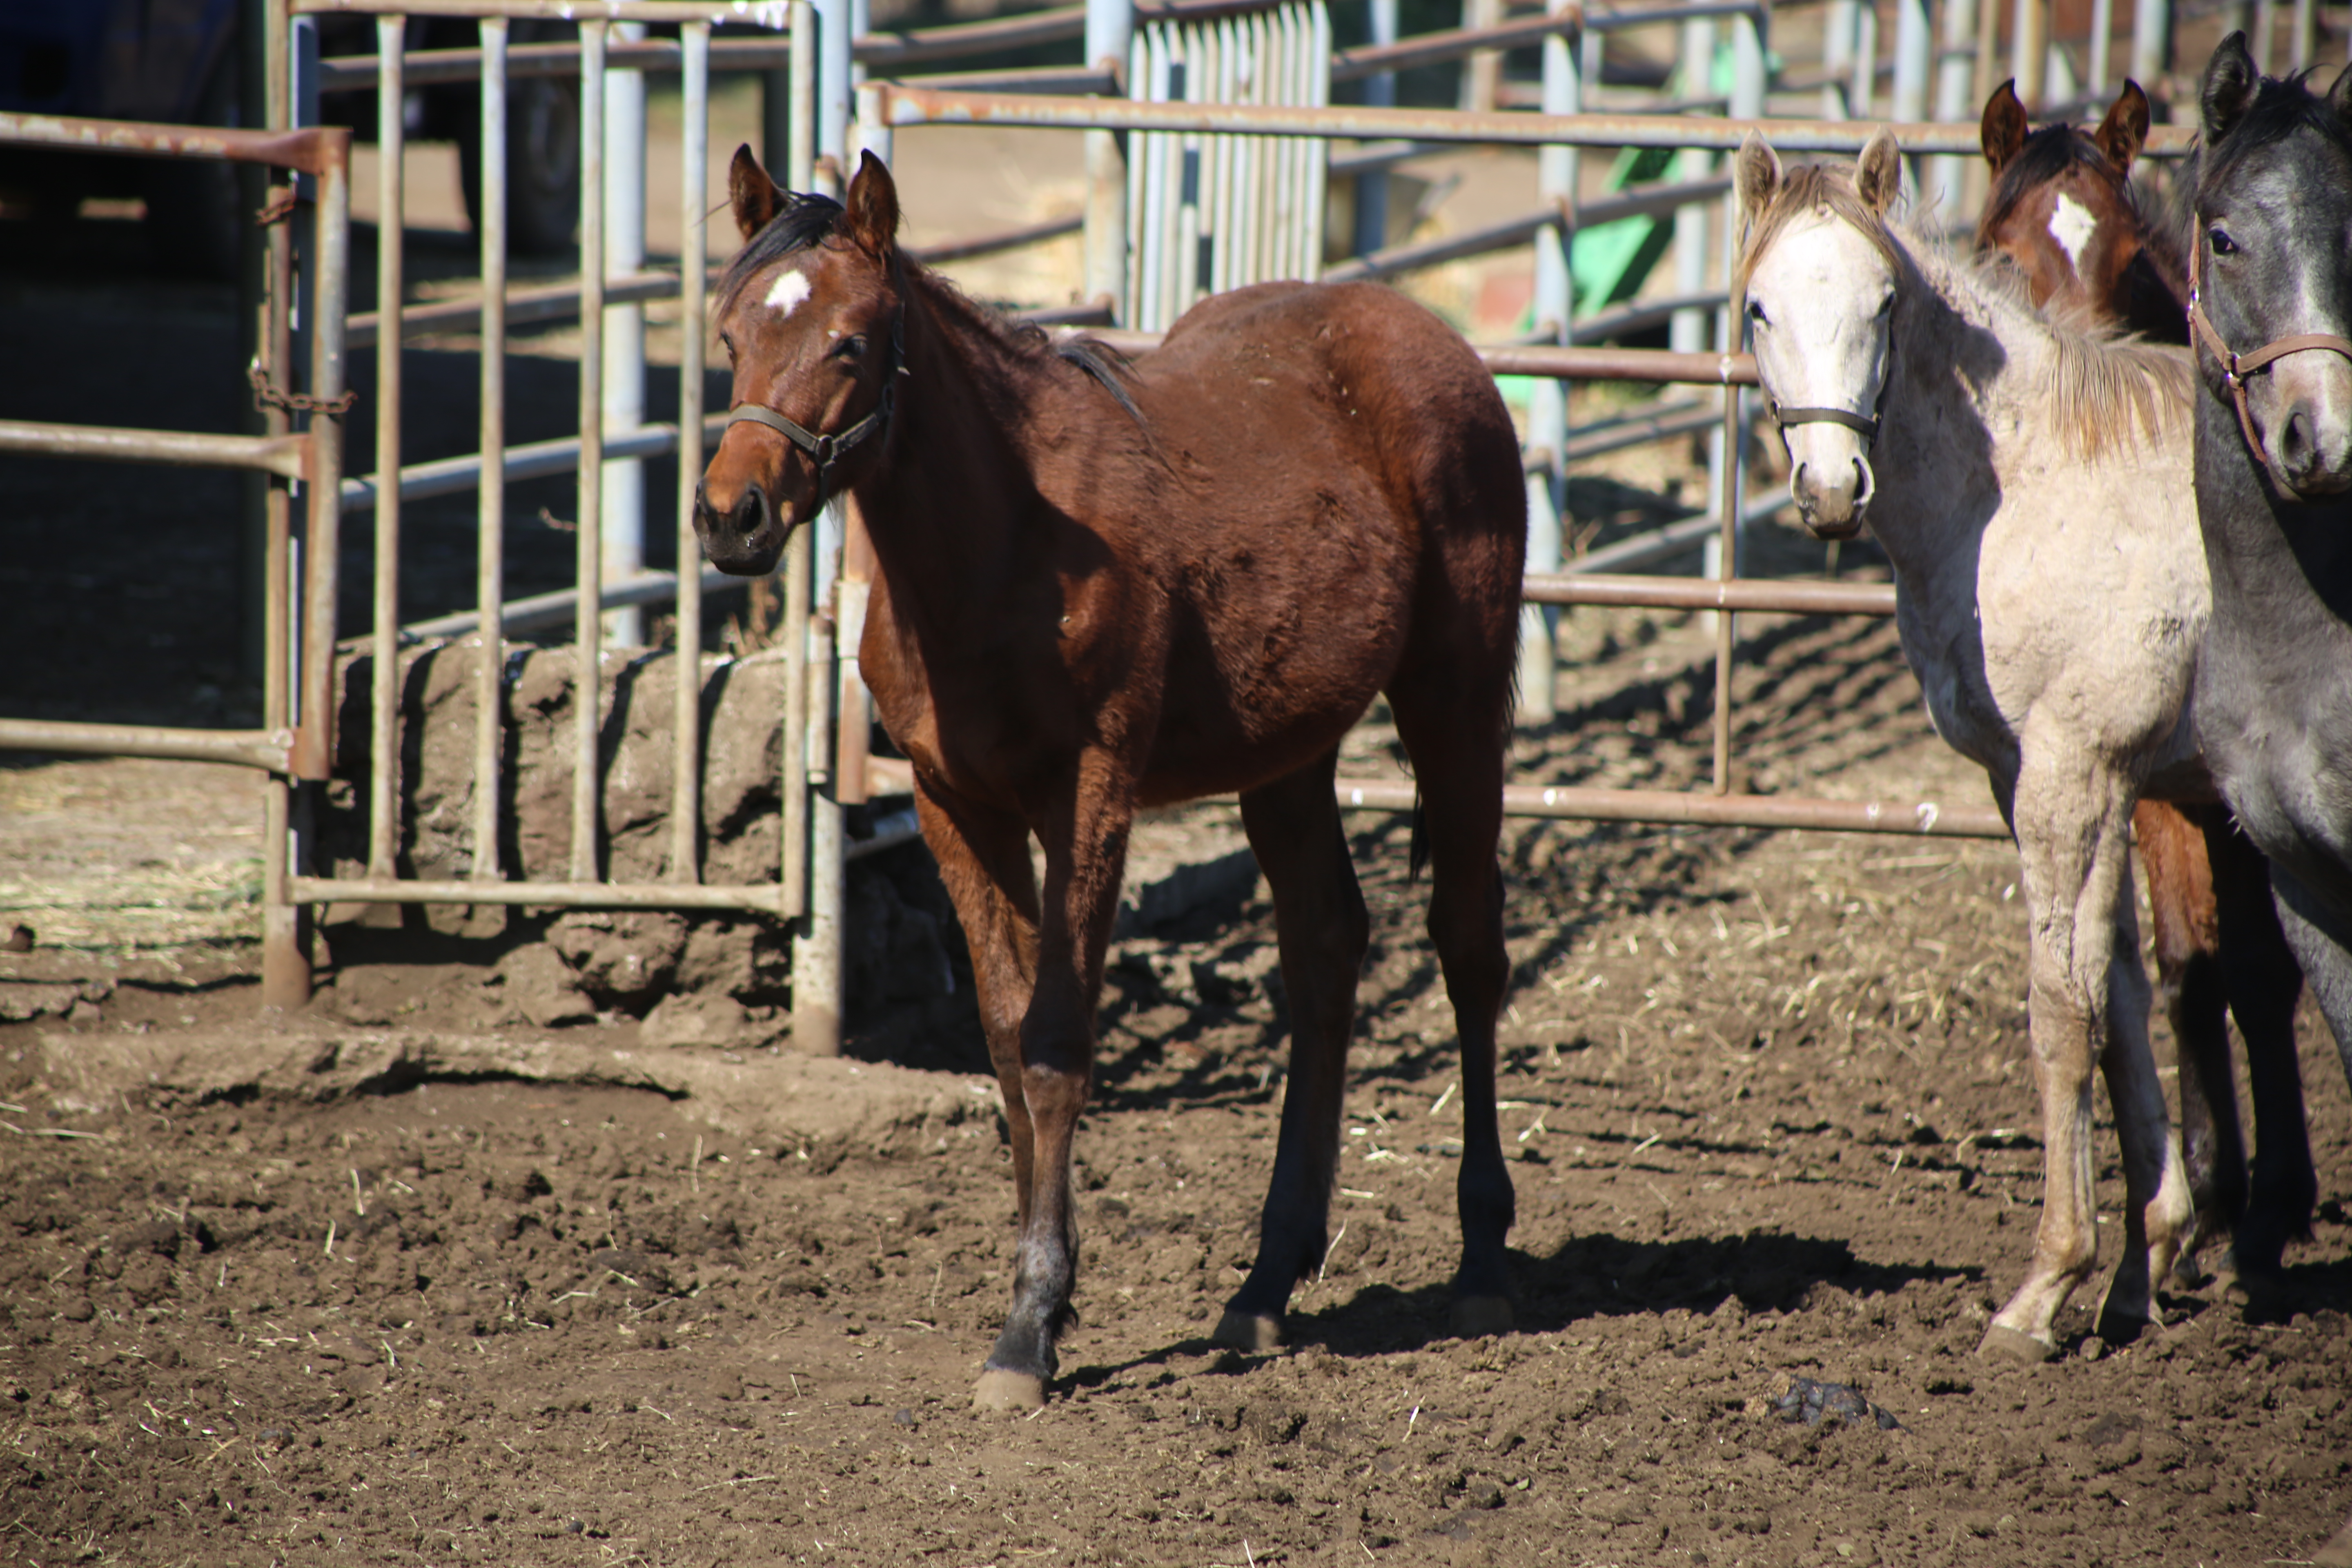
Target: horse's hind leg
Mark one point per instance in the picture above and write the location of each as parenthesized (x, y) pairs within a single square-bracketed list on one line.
[(1318, 912), (2192, 983), (1455, 741), (2264, 983)]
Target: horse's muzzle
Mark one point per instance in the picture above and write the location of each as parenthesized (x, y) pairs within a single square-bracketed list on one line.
[(1833, 511), (744, 540), (2311, 450)]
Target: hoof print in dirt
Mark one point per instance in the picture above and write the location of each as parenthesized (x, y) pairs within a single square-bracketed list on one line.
[(1802, 1400)]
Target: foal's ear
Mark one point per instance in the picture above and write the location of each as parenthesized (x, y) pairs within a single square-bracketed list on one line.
[(872, 204), (2001, 133), (1756, 172), (1878, 174), (2231, 83), (2123, 131), (2339, 97), (757, 199)]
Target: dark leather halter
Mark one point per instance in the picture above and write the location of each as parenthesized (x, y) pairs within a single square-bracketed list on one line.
[(2236, 367), (826, 450), (1864, 425)]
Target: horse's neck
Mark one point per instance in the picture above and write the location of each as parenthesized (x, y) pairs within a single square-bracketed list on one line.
[(1936, 448), (2281, 569), (957, 440)]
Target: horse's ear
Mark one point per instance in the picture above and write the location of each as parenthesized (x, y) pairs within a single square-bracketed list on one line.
[(1756, 172), (756, 198), (2231, 83), (1878, 174), (2123, 131), (2003, 130), (872, 204), (2339, 97)]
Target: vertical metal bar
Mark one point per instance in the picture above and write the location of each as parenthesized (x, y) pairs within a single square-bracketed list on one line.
[(870, 131), (1749, 73), (384, 749), (624, 334), (1687, 331), (1987, 61), (285, 967), (1372, 189), (2151, 54), (1913, 48), (1317, 152), (2030, 50), (330, 245), (2305, 53), (1482, 71), (1862, 96), (852, 721), (1111, 30), (800, 155), (489, 543), (2265, 28), (694, 179), (816, 947), (1837, 58), (834, 35), (792, 819), (1946, 181), (1556, 171), (2103, 26), (587, 624), (1140, 154)]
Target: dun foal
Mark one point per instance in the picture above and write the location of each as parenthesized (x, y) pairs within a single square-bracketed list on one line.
[(1100, 590), (2063, 211)]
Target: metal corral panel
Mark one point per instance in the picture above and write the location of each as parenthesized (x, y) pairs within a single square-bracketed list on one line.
[(1214, 213)]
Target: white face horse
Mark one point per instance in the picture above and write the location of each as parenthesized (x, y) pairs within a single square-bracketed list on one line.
[(1820, 311)]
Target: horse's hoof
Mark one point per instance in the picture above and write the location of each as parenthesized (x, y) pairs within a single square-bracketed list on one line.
[(2260, 1296), (1475, 1317), (2337, 1551), (1008, 1391), (2004, 1343), (1248, 1331)]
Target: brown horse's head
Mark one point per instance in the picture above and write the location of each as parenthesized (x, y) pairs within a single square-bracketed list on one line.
[(2060, 209), (809, 310)]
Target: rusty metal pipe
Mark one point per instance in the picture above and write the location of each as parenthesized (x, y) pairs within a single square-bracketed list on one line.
[(906, 104), (309, 150), (392, 195), (314, 724), (249, 748), (1575, 803), (284, 456), (686, 736), (754, 897), (588, 625)]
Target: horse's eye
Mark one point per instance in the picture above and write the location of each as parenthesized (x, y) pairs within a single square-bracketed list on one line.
[(851, 347), (2222, 243), (1885, 306), (1755, 313)]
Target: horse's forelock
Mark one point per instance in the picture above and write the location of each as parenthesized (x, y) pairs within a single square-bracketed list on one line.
[(2044, 156), (805, 222), (1807, 188)]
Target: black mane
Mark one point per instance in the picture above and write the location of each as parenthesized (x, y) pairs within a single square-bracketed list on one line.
[(2044, 155), (2283, 106), (807, 220)]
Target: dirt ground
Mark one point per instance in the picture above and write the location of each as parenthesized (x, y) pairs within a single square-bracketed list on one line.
[(1770, 1119), (436, 1287)]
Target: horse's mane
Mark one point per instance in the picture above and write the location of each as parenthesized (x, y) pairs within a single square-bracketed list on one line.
[(808, 220), (2283, 106), (2101, 387)]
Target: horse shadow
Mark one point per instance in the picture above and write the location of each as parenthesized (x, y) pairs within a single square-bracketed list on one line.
[(1586, 1278)]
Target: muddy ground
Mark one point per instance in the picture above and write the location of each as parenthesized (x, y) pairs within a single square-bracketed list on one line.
[(1770, 1119)]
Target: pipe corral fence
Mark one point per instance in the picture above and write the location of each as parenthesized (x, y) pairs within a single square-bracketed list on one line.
[(826, 100)]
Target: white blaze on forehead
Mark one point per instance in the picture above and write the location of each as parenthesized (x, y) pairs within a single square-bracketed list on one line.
[(787, 292), (2071, 224)]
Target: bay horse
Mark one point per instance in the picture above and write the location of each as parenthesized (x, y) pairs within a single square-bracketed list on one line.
[(2271, 286), (2062, 210), (1101, 589), (2015, 470)]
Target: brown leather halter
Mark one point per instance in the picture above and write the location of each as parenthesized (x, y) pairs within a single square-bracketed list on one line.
[(2236, 367), (826, 450)]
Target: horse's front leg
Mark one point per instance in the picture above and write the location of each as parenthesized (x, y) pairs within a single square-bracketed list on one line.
[(1085, 851), (2071, 817)]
